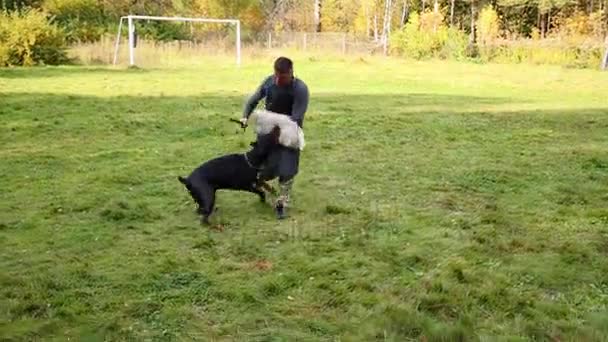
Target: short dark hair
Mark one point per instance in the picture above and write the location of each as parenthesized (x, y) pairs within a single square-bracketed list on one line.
[(283, 65)]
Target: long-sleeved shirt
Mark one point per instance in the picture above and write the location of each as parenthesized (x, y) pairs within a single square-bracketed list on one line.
[(300, 101)]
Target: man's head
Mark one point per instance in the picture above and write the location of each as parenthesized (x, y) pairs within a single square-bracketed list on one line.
[(283, 71)]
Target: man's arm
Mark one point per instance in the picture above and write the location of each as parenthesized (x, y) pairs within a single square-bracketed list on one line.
[(300, 103), (254, 99)]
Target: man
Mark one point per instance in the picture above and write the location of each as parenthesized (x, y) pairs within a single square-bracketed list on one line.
[(288, 95)]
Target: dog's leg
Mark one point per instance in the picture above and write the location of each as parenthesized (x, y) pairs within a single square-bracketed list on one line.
[(261, 194), (257, 191), (209, 205), (207, 201), (267, 187), (194, 193)]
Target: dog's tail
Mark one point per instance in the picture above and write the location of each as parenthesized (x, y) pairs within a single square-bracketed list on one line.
[(182, 180), (202, 193), (186, 182)]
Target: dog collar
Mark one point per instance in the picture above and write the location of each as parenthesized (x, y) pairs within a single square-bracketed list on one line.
[(248, 162)]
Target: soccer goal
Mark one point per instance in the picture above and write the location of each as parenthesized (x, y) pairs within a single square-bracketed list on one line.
[(132, 35)]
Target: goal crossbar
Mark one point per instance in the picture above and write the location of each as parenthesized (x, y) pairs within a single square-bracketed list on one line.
[(131, 32), (205, 20)]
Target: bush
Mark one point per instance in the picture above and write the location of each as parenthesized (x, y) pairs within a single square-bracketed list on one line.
[(28, 38), (456, 44), (427, 37), (577, 55)]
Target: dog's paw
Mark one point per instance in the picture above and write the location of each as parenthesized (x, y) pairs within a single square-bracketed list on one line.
[(218, 227)]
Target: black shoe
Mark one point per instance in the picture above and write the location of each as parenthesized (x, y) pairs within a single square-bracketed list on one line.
[(280, 209)]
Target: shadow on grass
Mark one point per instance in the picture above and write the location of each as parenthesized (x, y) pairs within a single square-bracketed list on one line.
[(358, 104), (47, 115), (62, 71)]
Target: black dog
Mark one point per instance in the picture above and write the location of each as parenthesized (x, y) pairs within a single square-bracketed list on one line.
[(233, 171)]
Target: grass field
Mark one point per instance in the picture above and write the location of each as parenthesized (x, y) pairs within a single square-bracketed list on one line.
[(436, 201)]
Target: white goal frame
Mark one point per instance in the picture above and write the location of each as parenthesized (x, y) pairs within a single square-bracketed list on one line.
[(131, 41)]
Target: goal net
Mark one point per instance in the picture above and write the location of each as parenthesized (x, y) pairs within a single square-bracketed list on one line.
[(132, 37)]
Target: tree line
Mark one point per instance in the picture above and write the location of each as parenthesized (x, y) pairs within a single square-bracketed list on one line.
[(488, 30), (87, 20)]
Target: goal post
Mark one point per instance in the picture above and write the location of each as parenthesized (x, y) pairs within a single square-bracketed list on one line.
[(131, 32)]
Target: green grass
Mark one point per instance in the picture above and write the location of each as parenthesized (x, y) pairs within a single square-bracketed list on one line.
[(436, 201)]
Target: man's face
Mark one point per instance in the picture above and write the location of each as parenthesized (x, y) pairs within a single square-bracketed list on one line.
[(282, 78)]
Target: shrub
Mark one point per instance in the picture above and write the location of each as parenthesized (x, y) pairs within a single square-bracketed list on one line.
[(427, 37), (28, 38), (576, 55)]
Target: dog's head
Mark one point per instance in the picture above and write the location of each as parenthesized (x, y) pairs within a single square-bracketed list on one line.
[(265, 143)]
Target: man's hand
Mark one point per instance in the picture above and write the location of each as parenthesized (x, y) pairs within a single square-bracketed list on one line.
[(243, 122)]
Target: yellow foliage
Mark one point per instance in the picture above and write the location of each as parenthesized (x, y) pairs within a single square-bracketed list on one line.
[(580, 24), (27, 38), (252, 17), (431, 21), (337, 15), (360, 26), (488, 25), (249, 12)]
